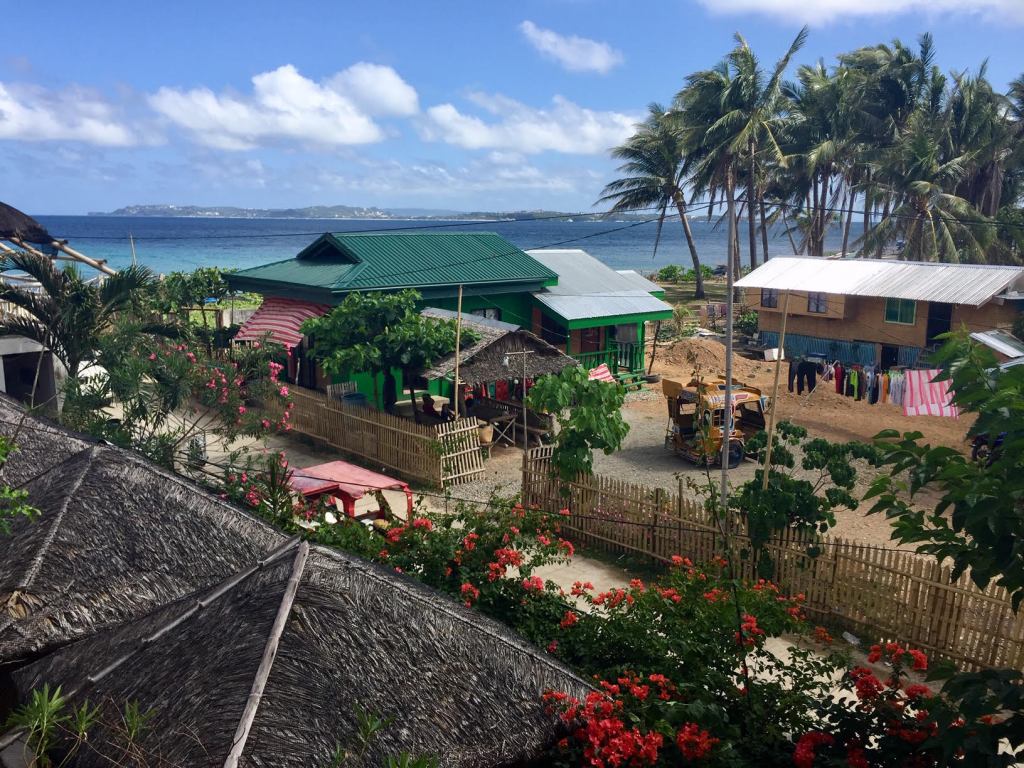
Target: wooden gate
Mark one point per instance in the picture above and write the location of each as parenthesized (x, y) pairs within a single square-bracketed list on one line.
[(461, 457)]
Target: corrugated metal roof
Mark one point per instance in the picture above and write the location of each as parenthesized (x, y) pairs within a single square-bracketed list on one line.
[(971, 284), (640, 282), (359, 261), (1002, 342), (588, 288)]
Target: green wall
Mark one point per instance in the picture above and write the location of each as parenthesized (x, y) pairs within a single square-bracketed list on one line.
[(514, 307)]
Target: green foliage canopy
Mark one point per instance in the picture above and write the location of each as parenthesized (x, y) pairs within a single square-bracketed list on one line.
[(979, 519), (589, 417)]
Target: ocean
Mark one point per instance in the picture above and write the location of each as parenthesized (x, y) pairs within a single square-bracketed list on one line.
[(181, 244)]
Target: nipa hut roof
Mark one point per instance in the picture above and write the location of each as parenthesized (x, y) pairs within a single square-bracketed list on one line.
[(484, 360), (115, 538), (272, 671), (14, 223)]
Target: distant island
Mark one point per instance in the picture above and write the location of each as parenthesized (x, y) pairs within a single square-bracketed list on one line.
[(346, 212)]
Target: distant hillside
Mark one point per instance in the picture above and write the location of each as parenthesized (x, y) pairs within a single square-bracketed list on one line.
[(345, 212)]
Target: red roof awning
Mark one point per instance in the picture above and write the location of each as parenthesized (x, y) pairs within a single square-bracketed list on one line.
[(347, 482), (281, 318), (340, 476)]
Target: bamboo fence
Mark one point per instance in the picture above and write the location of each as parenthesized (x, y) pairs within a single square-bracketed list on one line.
[(438, 456), (878, 593)]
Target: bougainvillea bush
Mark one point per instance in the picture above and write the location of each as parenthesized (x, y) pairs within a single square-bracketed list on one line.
[(680, 667), (168, 392)]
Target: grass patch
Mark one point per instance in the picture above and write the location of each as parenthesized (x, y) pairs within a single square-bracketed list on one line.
[(682, 293)]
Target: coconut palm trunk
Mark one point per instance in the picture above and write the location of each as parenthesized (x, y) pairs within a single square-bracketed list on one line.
[(677, 198), (751, 213)]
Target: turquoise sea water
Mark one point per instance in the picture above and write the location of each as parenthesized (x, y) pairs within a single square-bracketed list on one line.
[(181, 244)]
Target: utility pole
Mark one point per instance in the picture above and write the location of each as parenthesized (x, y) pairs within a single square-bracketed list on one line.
[(726, 426), (522, 354), (458, 342)]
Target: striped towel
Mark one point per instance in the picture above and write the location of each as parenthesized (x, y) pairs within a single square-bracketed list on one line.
[(924, 397), (601, 373)]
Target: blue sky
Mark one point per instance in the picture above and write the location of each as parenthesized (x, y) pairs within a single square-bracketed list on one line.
[(462, 105)]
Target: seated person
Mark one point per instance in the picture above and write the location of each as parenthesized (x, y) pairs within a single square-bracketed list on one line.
[(446, 413), (469, 404), (428, 405)]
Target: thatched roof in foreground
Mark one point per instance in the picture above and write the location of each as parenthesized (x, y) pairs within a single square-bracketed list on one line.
[(484, 360), (116, 537), (14, 223), (349, 636), (40, 443)]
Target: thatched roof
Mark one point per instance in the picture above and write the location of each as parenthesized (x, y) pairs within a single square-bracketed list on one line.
[(484, 360), (275, 669), (116, 537), (40, 443), (14, 223)]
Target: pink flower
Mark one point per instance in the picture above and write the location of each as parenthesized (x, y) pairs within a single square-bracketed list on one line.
[(533, 584), (241, 409), (152, 355), (283, 391), (265, 423)]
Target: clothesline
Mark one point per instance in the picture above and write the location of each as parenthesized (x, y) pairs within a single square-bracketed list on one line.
[(914, 390)]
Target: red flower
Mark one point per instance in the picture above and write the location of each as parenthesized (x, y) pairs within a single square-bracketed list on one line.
[(920, 660), (422, 522), (533, 584), (552, 646), (469, 592), (694, 742), (822, 636), (681, 561), (917, 690), (568, 620), (637, 584), (563, 512), (580, 587), (803, 755), (865, 683)]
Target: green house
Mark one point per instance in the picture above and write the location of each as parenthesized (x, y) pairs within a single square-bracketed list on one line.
[(566, 297)]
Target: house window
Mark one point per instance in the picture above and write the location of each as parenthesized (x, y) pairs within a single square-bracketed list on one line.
[(770, 298), (902, 311), (817, 303), (490, 313), (552, 331)]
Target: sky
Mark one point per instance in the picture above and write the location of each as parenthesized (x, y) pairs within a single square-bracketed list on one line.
[(443, 105)]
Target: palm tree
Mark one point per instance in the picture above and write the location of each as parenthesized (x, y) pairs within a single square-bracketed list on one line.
[(655, 174), (935, 223), (735, 119), (68, 315)]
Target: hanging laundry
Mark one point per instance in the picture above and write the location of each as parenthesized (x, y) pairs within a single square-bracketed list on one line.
[(792, 372), (925, 397), (840, 375)]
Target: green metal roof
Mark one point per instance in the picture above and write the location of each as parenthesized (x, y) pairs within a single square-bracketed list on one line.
[(344, 262)]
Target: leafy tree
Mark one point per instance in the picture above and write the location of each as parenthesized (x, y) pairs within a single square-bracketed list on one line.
[(978, 522), (804, 502), (379, 333), (589, 417), (670, 273), (69, 315)]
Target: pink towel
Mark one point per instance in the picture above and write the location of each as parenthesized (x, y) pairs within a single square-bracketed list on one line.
[(601, 373), (925, 397)]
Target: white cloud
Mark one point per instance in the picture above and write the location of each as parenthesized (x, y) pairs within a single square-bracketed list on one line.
[(564, 127), (823, 11), (377, 89), (31, 113), (577, 54), (287, 106)]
